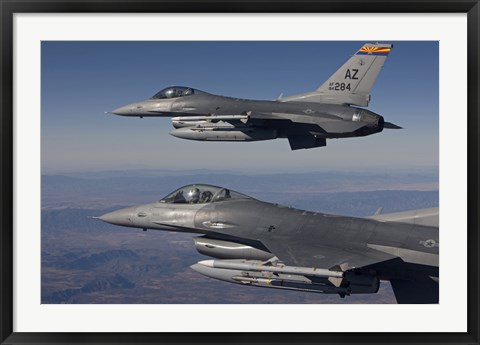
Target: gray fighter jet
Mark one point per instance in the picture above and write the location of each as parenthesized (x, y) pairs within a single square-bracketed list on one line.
[(261, 244), (307, 119)]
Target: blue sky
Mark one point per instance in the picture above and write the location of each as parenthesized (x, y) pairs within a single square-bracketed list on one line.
[(82, 80)]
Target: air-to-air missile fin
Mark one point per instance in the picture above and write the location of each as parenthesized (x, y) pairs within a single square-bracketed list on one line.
[(351, 83), (339, 268), (344, 266), (378, 211), (335, 281), (273, 261)]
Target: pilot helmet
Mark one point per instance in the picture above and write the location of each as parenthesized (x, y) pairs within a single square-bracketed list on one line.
[(194, 194), (170, 93)]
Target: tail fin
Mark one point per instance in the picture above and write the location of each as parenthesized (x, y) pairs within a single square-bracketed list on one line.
[(351, 83)]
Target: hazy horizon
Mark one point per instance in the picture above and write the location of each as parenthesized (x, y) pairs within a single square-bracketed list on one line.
[(258, 171)]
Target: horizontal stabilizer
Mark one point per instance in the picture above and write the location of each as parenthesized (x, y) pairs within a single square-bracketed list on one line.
[(305, 141), (426, 217), (423, 291)]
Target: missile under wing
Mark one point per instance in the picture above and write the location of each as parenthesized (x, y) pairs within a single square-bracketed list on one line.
[(334, 110), (257, 243)]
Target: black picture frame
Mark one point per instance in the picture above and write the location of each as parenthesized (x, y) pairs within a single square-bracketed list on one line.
[(10, 7)]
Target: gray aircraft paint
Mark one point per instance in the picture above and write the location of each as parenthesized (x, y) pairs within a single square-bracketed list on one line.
[(237, 227), (306, 120)]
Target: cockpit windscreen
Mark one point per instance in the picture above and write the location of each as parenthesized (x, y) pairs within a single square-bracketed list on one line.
[(201, 194), (175, 92)]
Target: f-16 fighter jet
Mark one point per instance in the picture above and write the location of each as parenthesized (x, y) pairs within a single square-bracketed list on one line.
[(257, 243), (306, 120)]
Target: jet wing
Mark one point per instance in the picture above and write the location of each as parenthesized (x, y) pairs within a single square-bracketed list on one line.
[(421, 290), (302, 131), (299, 132), (330, 123), (286, 116), (301, 253), (300, 250), (304, 123)]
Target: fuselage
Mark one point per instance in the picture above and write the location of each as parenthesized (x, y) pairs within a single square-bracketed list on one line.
[(307, 120), (253, 222), (288, 118)]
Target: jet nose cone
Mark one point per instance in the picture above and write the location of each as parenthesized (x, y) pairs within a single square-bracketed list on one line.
[(123, 217), (123, 111)]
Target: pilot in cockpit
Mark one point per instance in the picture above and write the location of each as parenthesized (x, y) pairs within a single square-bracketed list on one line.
[(194, 195), (206, 196), (171, 93)]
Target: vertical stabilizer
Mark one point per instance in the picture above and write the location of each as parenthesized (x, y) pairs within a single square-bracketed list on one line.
[(351, 83)]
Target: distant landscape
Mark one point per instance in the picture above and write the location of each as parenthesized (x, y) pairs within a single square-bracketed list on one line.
[(87, 261)]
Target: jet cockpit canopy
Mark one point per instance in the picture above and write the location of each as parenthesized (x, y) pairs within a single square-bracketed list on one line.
[(201, 194), (175, 92)]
